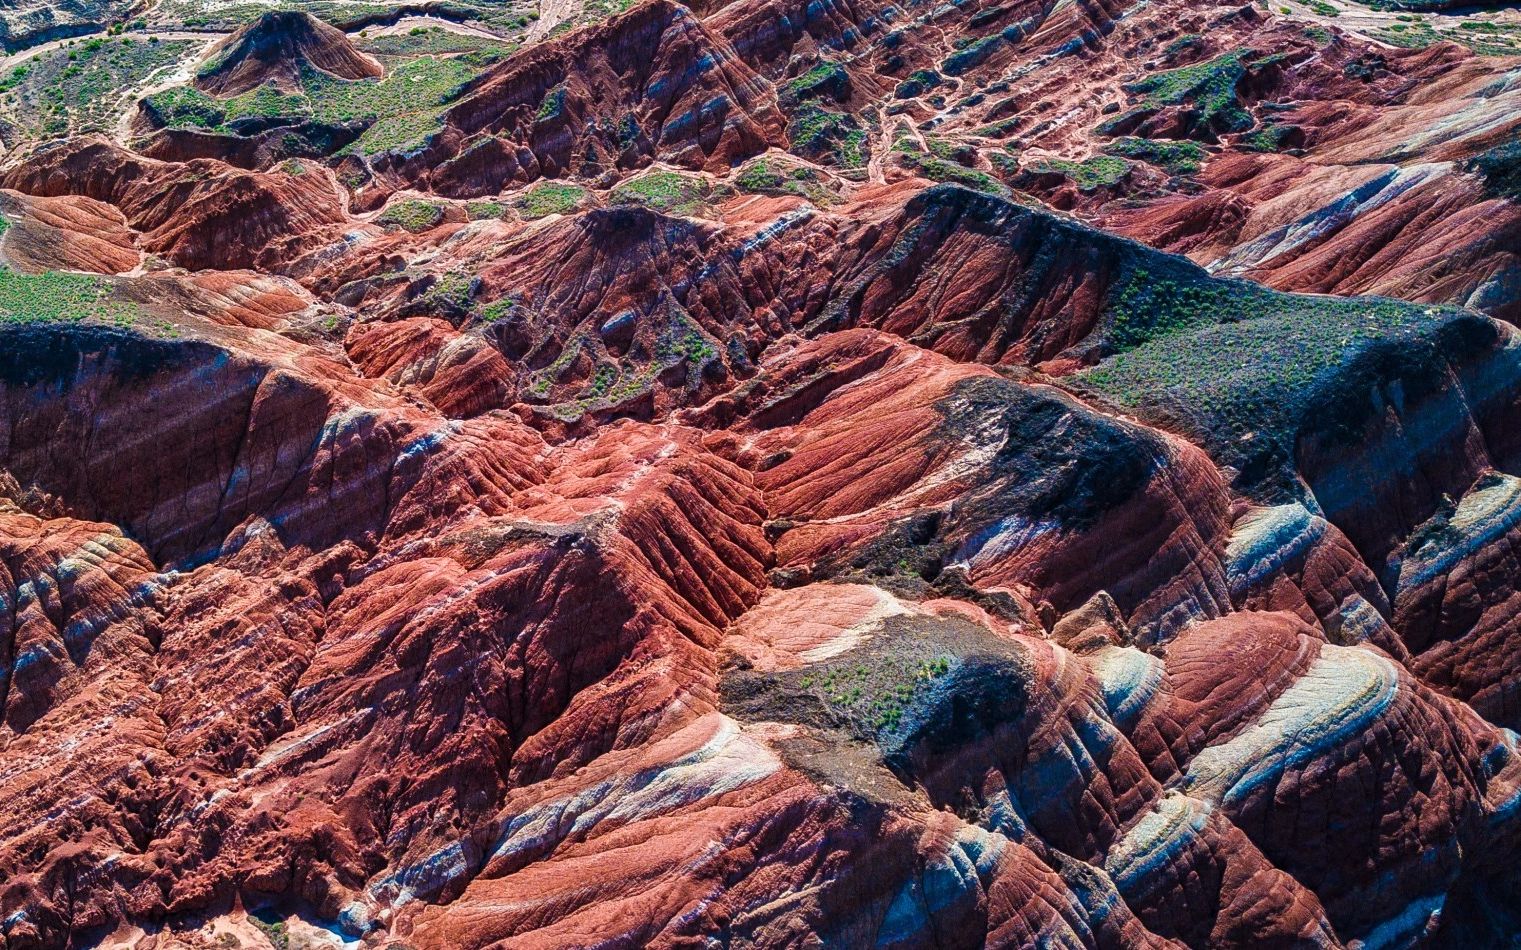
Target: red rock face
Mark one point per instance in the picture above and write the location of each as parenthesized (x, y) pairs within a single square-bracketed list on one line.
[(68, 233), (274, 49), (200, 214), (773, 533), (654, 82)]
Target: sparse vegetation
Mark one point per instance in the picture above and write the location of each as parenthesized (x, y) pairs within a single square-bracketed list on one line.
[(1483, 36), (400, 110), (764, 175), (683, 342), (1188, 41), (760, 175), (552, 104), (938, 169), (412, 215), (825, 79), (602, 9), (274, 931), (484, 210), (344, 14), (1501, 169), (1237, 364), (1176, 157), (918, 83), (1272, 137), (450, 292), (1210, 87), (1101, 171), (84, 87), (497, 310), (57, 297), (432, 40), (545, 378), (879, 692), (550, 198), (827, 136), (663, 191)]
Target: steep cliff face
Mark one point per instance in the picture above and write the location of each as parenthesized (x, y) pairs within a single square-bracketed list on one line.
[(768, 474), (653, 82), (200, 214)]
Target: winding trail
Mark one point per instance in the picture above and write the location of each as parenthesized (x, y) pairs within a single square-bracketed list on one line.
[(16, 59), (551, 14)]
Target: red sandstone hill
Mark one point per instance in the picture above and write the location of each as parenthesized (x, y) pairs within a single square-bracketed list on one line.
[(726, 486), (653, 82), (274, 49)]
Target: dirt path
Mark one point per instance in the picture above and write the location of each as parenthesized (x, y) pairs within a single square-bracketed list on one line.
[(1366, 23), (16, 59), (178, 75), (551, 14), (408, 23)]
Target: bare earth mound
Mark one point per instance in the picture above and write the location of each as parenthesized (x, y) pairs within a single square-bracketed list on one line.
[(275, 48)]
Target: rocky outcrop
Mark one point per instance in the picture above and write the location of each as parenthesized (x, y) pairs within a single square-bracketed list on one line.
[(652, 83), (200, 214)]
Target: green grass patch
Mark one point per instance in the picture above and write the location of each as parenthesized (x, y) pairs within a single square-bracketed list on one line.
[(550, 198), (663, 191), (274, 931), (484, 210), (57, 297), (1272, 137), (1101, 171), (764, 176), (824, 135), (497, 310), (432, 41), (411, 215), (84, 86), (1209, 87), (1240, 366), (683, 342), (760, 175), (825, 79), (400, 110), (918, 83), (450, 293), (553, 104), (1176, 157), (938, 169)]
